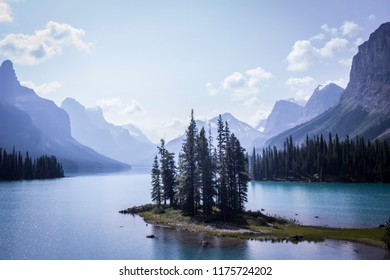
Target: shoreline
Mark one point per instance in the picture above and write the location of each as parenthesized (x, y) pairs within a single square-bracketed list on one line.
[(257, 226)]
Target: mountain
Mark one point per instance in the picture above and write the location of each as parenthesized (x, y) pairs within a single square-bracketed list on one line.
[(243, 131), (261, 125), (136, 133), (283, 116), (322, 99), (34, 124), (90, 128), (364, 107)]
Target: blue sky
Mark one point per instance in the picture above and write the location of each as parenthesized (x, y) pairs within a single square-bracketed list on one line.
[(149, 62)]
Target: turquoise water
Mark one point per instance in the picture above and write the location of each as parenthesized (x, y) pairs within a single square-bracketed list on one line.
[(77, 218)]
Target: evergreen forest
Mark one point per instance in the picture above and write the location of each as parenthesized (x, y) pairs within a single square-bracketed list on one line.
[(207, 180), (320, 159), (13, 166)]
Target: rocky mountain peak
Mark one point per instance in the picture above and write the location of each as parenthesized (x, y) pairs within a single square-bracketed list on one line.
[(7, 75), (369, 85)]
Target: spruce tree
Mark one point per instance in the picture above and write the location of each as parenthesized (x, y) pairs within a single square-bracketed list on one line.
[(156, 192)]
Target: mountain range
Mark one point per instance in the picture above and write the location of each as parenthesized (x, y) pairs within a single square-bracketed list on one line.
[(84, 141), (364, 107), (126, 144), (34, 124)]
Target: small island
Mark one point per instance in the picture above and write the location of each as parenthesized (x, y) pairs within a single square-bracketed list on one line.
[(207, 191)]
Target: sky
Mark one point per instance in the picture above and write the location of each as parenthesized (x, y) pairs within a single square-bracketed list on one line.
[(149, 63)]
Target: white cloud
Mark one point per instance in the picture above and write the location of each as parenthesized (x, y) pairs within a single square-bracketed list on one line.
[(330, 30), (43, 44), (243, 87), (116, 105), (359, 41), (42, 89), (346, 61), (234, 81), (303, 87), (111, 103), (305, 53), (133, 107), (332, 45), (5, 12), (302, 56), (371, 17), (212, 90), (258, 75), (350, 29)]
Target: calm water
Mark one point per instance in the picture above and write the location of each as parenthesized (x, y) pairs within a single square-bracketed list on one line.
[(77, 218)]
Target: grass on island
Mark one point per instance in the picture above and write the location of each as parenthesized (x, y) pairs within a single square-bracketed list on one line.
[(256, 226)]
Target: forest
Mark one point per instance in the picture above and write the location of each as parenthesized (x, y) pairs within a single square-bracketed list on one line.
[(207, 180), (13, 166), (318, 159)]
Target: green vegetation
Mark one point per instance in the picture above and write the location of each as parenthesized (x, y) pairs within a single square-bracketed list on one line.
[(14, 167), (206, 178), (386, 236), (320, 160), (257, 226)]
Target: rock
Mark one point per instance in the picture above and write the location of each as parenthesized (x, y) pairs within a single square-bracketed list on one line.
[(381, 226), (204, 243), (262, 209), (151, 236), (316, 217)]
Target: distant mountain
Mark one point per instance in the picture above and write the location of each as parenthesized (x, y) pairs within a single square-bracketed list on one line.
[(136, 133), (364, 107), (322, 99), (34, 124), (243, 131), (90, 128), (261, 125)]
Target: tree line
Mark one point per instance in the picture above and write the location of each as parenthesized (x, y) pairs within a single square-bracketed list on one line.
[(207, 180), (348, 160), (15, 166)]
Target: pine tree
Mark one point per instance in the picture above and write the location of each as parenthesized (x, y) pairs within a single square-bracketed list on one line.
[(205, 172), (156, 192), (168, 174), (188, 169)]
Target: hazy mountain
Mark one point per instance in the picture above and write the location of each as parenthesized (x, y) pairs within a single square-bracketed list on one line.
[(34, 124), (136, 133), (364, 107), (261, 125), (90, 128), (322, 99), (243, 131)]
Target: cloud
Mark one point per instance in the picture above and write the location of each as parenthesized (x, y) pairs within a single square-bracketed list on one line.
[(302, 56), (118, 106), (43, 44), (42, 89), (5, 12), (305, 53), (371, 17), (243, 87), (303, 87), (133, 107), (346, 61), (212, 90), (111, 103), (234, 81), (350, 29)]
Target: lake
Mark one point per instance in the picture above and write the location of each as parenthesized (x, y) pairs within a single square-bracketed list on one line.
[(77, 218)]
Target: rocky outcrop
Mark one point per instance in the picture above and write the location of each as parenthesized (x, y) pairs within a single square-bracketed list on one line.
[(369, 84)]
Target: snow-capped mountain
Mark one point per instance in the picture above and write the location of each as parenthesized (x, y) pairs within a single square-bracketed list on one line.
[(243, 131)]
